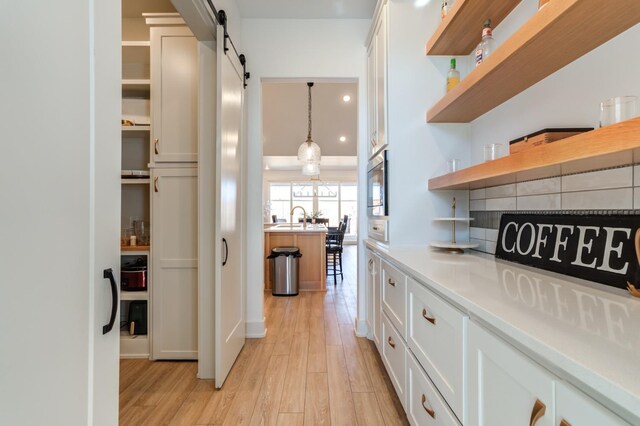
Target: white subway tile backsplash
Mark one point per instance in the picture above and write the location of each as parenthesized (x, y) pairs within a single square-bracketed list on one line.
[(481, 244), (636, 175), (636, 198), (501, 191), (495, 204), (490, 247), (540, 202), (477, 205), (477, 194), (477, 233), (542, 186), (492, 235), (610, 199), (602, 179)]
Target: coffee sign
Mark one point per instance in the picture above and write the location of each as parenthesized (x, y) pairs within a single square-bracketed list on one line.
[(605, 249)]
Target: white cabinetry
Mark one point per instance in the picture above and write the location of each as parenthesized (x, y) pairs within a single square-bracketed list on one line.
[(174, 95), (436, 335), (373, 296), (393, 356), (505, 387), (377, 83), (425, 405), (576, 409), (394, 296), (174, 252)]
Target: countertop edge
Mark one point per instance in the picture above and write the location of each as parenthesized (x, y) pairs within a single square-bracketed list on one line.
[(593, 384)]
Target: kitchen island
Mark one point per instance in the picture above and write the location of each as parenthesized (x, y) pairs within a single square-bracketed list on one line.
[(310, 241)]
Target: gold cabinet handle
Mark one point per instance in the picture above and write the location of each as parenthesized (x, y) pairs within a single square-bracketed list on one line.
[(155, 146), (391, 282), (430, 319), (563, 422), (155, 184), (427, 409), (390, 341), (538, 411)]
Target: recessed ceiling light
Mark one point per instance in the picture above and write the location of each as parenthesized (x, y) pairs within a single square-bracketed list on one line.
[(343, 138), (266, 167), (346, 98)]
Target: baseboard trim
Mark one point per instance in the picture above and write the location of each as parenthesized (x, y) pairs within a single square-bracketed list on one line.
[(362, 328), (256, 329)]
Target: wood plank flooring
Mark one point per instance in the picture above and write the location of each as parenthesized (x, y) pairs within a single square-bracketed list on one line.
[(310, 369)]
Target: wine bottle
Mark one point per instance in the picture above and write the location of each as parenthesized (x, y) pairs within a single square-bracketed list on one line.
[(453, 77)]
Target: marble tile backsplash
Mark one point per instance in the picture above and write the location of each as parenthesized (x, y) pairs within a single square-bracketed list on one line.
[(604, 191)]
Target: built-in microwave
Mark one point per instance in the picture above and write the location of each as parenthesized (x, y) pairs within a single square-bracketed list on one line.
[(377, 199)]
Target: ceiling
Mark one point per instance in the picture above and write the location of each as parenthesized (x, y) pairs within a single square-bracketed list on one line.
[(284, 118), (135, 8), (307, 9)]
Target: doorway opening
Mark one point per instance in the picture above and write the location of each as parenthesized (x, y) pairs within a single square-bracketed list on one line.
[(329, 198)]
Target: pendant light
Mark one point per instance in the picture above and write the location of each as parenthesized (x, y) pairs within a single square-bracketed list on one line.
[(309, 151)]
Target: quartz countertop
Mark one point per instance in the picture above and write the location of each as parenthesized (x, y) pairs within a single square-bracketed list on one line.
[(297, 228), (585, 333)]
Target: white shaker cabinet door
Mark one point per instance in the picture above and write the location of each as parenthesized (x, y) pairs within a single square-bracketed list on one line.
[(372, 112), (505, 387), (573, 408), (381, 80), (174, 251), (174, 95), (373, 299)]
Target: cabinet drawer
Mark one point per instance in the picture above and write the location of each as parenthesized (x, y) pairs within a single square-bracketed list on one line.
[(425, 406), (394, 296), (393, 355), (436, 335), (577, 409)]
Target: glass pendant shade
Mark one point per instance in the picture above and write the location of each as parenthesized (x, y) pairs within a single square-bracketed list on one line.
[(309, 151), (311, 169)]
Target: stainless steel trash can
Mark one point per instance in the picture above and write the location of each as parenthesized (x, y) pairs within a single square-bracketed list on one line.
[(284, 275)]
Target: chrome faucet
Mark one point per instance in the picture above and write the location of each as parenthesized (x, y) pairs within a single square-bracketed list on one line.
[(304, 212)]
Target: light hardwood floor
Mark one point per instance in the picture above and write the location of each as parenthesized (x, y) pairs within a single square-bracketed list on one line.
[(310, 369)]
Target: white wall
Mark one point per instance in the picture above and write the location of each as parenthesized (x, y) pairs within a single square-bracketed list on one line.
[(570, 97), (418, 151), (293, 49)]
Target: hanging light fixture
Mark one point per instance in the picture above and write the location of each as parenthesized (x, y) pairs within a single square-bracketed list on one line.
[(309, 151)]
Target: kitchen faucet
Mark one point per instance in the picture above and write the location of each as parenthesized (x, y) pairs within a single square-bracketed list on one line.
[(304, 212)]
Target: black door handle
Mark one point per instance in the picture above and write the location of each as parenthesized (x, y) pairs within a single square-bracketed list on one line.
[(226, 252), (108, 273)]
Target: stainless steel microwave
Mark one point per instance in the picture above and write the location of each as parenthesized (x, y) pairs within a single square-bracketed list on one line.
[(377, 186)]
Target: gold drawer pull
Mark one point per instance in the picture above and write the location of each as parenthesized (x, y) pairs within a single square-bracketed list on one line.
[(563, 422), (427, 409), (391, 282), (390, 341), (424, 315), (155, 146), (155, 184), (538, 411)]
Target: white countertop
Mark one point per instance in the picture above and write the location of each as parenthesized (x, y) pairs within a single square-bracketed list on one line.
[(297, 228), (586, 333)]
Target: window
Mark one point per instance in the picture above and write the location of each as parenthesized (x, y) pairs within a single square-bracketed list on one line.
[(280, 200), (334, 200)]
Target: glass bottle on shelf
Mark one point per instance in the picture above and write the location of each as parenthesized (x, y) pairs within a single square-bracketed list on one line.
[(487, 45), (453, 77)]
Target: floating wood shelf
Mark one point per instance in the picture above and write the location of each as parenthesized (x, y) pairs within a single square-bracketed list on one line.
[(461, 31), (554, 37), (138, 85), (142, 128), (135, 248), (610, 146)]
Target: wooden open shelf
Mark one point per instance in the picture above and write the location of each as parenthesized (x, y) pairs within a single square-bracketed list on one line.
[(140, 84), (610, 146), (134, 248), (137, 128), (554, 37), (461, 30)]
